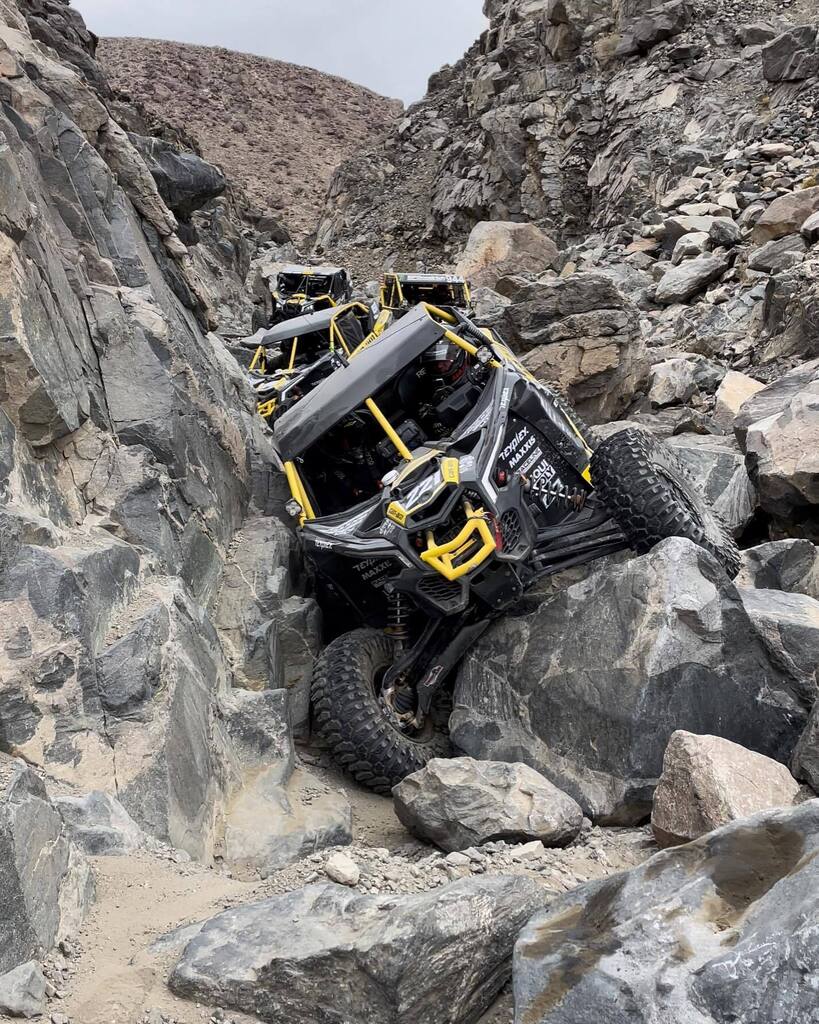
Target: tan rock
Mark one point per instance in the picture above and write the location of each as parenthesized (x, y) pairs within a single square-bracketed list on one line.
[(786, 215), (498, 248), (735, 389), (708, 782)]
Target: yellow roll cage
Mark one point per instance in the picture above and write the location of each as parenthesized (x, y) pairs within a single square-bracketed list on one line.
[(476, 541)]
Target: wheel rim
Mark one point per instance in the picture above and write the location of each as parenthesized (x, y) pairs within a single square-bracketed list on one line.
[(413, 734)]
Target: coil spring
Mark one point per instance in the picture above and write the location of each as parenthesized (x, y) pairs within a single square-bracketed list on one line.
[(398, 617)]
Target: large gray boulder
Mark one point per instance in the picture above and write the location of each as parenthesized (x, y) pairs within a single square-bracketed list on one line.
[(325, 952), (46, 885), (185, 181), (723, 929), (588, 687), (583, 334), (718, 467), (708, 782), (778, 429), (23, 991), (99, 824), (789, 565), (681, 283), (459, 802), (791, 56)]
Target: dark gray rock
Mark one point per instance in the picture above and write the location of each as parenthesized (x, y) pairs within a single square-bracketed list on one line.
[(779, 254), (725, 231), (99, 824), (588, 687), (185, 181), (778, 429), (681, 283), (788, 625), (23, 991), (756, 33), (129, 673), (805, 761), (658, 24), (459, 802), (440, 957), (789, 565), (722, 929), (792, 56), (46, 885), (717, 465)]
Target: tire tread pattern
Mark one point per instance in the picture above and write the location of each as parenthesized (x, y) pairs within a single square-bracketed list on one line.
[(349, 718)]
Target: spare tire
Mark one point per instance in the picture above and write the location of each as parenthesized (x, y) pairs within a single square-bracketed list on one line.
[(348, 713), (651, 497)]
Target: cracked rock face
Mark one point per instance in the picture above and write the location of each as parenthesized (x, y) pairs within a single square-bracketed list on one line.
[(406, 959)]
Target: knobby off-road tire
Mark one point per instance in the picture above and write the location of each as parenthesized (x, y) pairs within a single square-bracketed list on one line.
[(651, 497), (350, 717)]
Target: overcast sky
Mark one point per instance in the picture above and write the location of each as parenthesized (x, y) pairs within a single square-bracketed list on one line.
[(391, 46)]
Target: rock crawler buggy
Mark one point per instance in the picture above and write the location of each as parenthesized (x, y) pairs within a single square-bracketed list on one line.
[(290, 359), (402, 292), (300, 290), (434, 480)]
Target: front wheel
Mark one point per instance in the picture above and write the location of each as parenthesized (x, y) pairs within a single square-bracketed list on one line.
[(651, 497), (349, 715)]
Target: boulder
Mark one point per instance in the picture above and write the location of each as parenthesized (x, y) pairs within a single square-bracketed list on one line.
[(722, 929), (274, 821), (588, 687), (496, 249), (461, 802), (581, 333), (778, 254), (23, 991), (659, 23), (185, 181), (675, 381), (778, 429), (755, 33), (810, 229), (725, 231), (790, 314), (786, 215), (805, 761), (718, 467), (682, 282), (708, 782), (788, 626), (734, 389), (46, 885), (791, 56), (99, 824), (403, 958), (789, 565)]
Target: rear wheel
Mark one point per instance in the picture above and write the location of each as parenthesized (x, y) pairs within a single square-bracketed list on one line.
[(364, 737), (651, 497)]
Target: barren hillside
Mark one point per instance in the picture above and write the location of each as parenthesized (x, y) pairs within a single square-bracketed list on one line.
[(277, 129)]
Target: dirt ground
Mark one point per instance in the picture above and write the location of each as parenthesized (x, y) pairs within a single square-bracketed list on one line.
[(116, 977)]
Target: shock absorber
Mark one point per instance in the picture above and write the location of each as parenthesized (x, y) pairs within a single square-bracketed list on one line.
[(398, 615)]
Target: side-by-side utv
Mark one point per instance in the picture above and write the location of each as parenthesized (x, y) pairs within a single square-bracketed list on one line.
[(402, 292), (301, 290), (291, 358), (434, 480)]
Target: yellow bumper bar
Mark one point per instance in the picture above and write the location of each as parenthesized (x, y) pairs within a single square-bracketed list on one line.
[(444, 557)]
